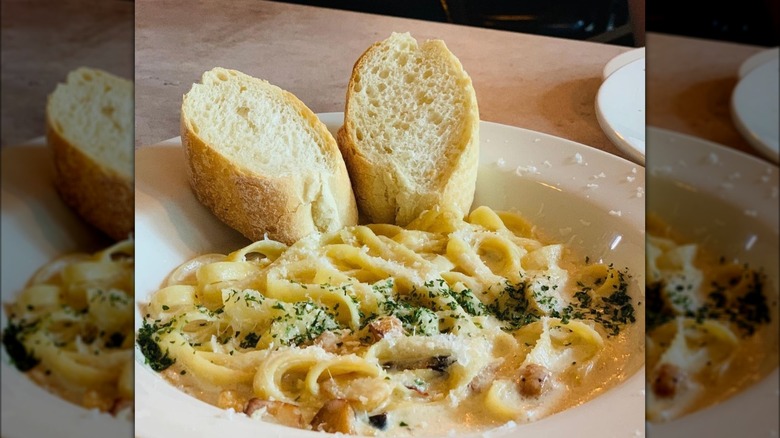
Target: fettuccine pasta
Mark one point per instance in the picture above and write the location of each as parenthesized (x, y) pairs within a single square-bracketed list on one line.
[(378, 329), (704, 323), (71, 328)]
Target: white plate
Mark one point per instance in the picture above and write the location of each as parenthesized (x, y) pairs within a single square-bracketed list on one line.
[(36, 228), (754, 103), (556, 191), (727, 201), (623, 59), (758, 59), (620, 108)]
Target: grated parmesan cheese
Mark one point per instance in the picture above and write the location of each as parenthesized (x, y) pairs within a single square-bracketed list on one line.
[(526, 169)]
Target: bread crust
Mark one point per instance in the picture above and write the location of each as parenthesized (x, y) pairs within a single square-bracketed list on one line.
[(379, 196), (260, 206), (100, 195)]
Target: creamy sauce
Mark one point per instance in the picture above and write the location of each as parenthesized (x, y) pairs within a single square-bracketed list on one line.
[(434, 413), (106, 398), (747, 359), (433, 410), (70, 329)]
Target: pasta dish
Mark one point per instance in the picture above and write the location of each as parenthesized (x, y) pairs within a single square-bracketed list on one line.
[(71, 328), (449, 323), (707, 319)]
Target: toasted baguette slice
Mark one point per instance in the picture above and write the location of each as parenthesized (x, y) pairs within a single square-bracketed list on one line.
[(411, 131), (89, 128), (261, 161)]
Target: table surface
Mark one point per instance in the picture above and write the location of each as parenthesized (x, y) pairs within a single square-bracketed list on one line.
[(538, 83), (689, 87), (43, 40)]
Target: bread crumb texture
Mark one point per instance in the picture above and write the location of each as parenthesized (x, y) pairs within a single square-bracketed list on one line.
[(261, 160), (411, 132), (89, 124)]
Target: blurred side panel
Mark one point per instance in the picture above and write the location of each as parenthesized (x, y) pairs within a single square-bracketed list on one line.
[(712, 203), (64, 350)]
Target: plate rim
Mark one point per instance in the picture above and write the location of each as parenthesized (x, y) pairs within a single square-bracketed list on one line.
[(757, 59), (635, 151), (721, 148), (621, 60), (742, 122)]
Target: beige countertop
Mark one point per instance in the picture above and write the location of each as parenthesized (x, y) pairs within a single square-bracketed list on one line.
[(534, 82), (689, 87), (43, 40)]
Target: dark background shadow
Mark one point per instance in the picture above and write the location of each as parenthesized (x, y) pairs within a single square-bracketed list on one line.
[(596, 20), (755, 22)]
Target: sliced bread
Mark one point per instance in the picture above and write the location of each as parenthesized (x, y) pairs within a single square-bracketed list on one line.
[(411, 131), (89, 128), (261, 160)]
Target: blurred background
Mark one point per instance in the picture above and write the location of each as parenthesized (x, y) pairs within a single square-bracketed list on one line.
[(610, 21), (605, 21), (755, 22), (43, 40)]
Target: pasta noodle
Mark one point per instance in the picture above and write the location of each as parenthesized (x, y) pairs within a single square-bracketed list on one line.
[(71, 328), (377, 329), (703, 315)]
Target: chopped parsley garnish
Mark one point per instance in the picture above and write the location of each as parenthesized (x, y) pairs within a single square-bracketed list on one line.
[(746, 311), (301, 322), (151, 350), (115, 340), (613, 311), (617, 310), (250, 340), (751, 308), (12, 340), (658, 311), (513, 307)]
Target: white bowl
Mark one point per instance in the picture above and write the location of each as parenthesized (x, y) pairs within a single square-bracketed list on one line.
[(755, 103), (728, 202), (566, 188), (620, 107)]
